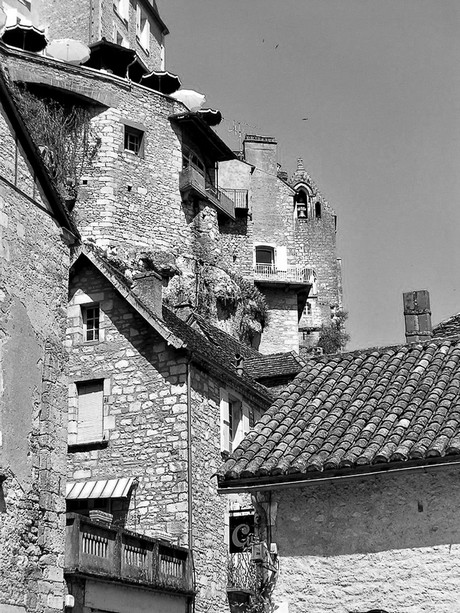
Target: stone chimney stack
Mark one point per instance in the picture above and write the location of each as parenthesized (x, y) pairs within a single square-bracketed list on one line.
[(417, 316), (148, 287), (261, 151)]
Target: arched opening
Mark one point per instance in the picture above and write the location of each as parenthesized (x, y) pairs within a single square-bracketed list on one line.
[(318, 210), (301, 202)]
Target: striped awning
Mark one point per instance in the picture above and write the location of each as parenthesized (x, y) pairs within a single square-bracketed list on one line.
[(105, 488)]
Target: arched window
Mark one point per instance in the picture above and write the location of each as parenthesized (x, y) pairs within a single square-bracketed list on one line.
[(318, 210)]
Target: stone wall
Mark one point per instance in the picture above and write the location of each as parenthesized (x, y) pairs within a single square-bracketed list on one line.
[(281, 334), (145, 425), (387, 542), (33, 404), (90, 21)]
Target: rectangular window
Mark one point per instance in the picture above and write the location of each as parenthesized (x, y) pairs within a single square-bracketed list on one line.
[(91, 319), (90, 421), (235, 417), (142, 29), (134, 140), (122, 8)]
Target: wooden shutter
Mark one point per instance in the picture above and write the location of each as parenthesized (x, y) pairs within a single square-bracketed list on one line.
[(224, 421), (281, 258), (90, 412)]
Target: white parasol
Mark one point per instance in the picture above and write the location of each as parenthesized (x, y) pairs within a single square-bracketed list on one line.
[(68, 50), (192, 99)]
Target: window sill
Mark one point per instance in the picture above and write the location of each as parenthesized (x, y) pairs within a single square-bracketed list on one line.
[(87, 446), (122, 19), (144, 49)]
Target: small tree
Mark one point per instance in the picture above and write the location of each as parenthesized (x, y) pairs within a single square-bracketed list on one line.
[(333, 337)]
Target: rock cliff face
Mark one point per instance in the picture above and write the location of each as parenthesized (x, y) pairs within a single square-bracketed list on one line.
[(196, 285)]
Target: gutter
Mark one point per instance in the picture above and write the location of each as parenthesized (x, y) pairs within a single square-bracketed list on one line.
[(333, 478)]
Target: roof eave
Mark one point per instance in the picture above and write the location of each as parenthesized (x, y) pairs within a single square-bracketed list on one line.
[(277, 482), (216, 148)]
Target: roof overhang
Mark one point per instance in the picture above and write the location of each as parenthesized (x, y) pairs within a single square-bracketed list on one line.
[(199, 133), (278, 482)]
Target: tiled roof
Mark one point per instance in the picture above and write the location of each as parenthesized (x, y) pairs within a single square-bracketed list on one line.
[(448, 327), (181, 335), (224, 340), (274, 365), (347, 412), (214, 355)]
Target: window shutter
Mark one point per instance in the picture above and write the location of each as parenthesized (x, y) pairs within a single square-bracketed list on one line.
[(224, 421), (124, 9), (281, 258), (146, 35), (246, 420), (90, 412), (138, 21)]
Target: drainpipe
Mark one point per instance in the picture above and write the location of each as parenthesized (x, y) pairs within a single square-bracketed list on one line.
[(189, 454), (191, 605)]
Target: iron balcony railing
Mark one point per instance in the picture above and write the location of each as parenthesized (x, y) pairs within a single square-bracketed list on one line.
[(292, 274), (116, 553), (239, 197), (192, 180)]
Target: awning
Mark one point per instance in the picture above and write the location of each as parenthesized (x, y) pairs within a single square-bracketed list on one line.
[(106, 488)]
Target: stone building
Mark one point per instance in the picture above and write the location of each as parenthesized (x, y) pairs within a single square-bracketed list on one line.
[(136, 25), (152, 405), (35, 233), (354, 475), (294, 257)]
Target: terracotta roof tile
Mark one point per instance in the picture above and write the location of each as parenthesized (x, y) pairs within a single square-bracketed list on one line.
[(355, 410)]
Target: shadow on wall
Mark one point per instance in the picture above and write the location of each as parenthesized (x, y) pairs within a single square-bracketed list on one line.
[(413, 510)]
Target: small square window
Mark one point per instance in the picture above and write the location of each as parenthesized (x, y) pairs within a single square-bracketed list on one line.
[(91, 320), (134, 140)]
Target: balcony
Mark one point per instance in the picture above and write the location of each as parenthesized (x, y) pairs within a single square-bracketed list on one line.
[(120, 555), (297, 275), (239, 197), (193, 183)]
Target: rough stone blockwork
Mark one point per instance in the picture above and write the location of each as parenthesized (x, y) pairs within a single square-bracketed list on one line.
[(33, 408)]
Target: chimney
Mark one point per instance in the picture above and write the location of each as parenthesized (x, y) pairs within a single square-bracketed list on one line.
[(417, 316), (260, 151), (148, 286)]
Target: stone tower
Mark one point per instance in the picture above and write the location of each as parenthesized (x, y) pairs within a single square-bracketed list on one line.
[(294, 260), (315, 235)]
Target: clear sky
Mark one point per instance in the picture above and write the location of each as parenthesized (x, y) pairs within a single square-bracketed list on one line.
[(379, 81)]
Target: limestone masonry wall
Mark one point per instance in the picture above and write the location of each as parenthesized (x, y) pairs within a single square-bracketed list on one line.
[(33, 404), (387, 542), (145, 426)]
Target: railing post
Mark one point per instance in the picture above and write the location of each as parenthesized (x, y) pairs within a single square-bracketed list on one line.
[(156, 563), (118, 553)]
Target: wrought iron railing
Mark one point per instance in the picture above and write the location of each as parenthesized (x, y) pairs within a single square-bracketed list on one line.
[(191, 179), (299, 274), (116, 553)]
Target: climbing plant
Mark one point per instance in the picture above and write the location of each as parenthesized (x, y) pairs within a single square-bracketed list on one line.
[(63, 134)]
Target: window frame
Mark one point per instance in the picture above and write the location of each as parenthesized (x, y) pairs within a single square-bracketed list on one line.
[(134, 128), (80, 438), (124, 13), (96, 329), (235, 418), (143, 29)]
